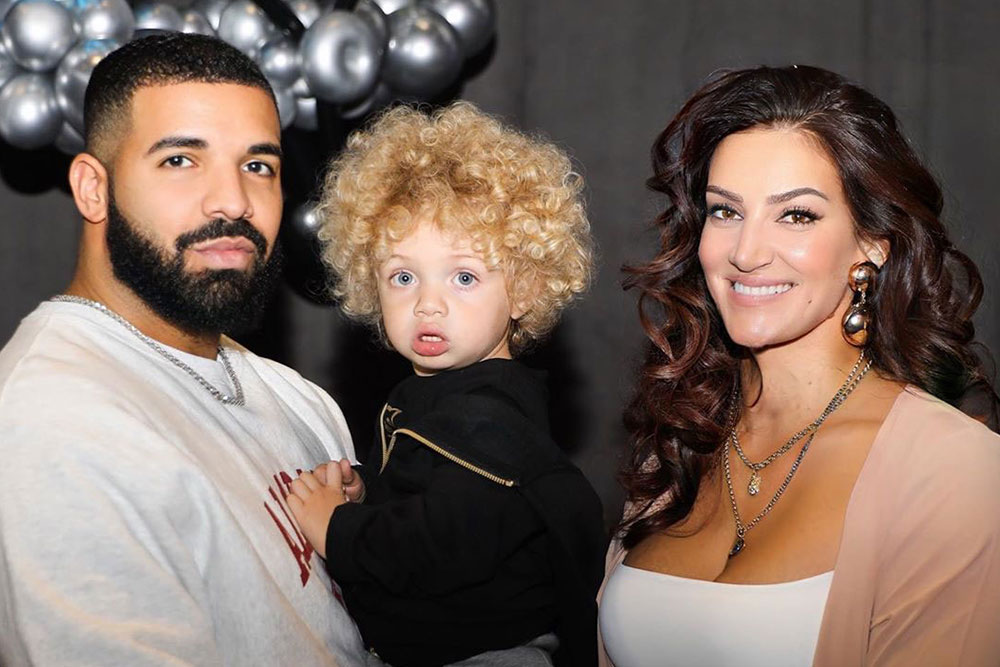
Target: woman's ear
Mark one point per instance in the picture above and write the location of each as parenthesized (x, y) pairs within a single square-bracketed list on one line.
[(88, 179), (876, 251)]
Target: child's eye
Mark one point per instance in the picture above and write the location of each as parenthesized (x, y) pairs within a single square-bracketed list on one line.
[(401, 279), (465, 279)]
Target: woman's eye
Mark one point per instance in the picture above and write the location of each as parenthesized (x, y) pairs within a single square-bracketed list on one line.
[(258, 167), (465, 279), (178, 161), (401, 278), (799, 217), (723, 212)]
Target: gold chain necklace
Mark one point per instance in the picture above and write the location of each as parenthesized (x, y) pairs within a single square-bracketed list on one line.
[(753, 487), (743, 528)]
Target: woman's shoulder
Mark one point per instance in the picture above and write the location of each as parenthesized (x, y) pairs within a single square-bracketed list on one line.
[(922, 423), (930, 450)]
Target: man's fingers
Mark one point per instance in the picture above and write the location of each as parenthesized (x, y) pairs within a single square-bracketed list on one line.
[(346, 471), (310, 480), (334, 477), (296, 505), (320, 473)]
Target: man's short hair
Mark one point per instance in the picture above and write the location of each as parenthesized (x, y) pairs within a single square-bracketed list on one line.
[(157, 60)]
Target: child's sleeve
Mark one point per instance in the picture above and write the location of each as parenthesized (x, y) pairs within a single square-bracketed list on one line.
[(454, 534)]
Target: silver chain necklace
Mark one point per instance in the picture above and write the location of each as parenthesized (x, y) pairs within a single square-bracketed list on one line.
[(237, 399), (743, 528), (753, 487)]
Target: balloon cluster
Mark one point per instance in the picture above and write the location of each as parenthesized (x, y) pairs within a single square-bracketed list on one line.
[(357, 59)]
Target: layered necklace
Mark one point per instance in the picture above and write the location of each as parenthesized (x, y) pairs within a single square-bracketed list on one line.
[(236, 398), (861, 367)]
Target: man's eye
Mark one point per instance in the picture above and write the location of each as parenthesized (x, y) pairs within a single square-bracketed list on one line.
[(178, 161), (465, 279), (258, 167), (401, 278)]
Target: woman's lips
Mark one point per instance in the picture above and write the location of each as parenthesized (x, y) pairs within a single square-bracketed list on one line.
[(757, 291)]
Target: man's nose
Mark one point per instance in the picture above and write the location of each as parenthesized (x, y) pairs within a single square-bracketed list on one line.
[(227, 196)]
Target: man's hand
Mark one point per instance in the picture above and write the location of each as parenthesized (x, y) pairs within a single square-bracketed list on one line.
[(354, 486), (313, 499)]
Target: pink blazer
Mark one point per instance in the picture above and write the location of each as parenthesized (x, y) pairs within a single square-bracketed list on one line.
[(917, 578)]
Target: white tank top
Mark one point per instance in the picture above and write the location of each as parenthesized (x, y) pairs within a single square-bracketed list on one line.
[(651, 619)]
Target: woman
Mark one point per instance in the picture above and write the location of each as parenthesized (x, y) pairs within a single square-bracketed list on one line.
[(800, 488)]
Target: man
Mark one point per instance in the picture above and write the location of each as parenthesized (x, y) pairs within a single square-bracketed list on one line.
[(146, 458)]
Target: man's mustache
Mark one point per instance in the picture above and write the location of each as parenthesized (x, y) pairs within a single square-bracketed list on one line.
[(219, 228)]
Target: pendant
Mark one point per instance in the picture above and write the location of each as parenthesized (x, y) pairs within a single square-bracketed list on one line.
[(737, 547), (753, 488)]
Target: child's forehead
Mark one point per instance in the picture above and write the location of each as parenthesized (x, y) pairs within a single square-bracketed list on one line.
[(429, 233)]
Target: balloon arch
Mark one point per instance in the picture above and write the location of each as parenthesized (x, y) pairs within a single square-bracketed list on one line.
[(330, 64)]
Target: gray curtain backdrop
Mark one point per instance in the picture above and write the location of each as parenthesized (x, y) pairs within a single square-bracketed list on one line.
[(602, 79)]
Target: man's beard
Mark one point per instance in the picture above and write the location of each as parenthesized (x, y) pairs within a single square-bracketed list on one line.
[(210, 301)]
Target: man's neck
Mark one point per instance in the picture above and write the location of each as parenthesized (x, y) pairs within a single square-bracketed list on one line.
[(125, 303)]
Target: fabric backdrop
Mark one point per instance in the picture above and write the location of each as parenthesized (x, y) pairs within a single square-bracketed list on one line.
[(602, 79)]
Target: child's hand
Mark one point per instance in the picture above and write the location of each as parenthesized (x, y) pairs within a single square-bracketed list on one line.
[(313, 500), (354, 486)]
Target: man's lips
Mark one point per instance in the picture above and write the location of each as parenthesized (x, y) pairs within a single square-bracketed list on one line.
[(225, 253)]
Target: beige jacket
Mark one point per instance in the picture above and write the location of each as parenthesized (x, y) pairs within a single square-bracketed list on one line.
[(917, 579)]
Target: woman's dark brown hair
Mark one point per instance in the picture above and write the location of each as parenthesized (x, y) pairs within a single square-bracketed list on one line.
[(922, 331)]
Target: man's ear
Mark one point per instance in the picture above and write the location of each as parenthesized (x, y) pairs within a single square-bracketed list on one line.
[(88, 179), (876, 251)]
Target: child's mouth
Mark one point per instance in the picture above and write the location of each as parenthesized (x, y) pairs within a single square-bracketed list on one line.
[(429, 344)]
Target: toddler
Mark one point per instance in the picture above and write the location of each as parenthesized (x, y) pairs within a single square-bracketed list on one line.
[(469, 537)]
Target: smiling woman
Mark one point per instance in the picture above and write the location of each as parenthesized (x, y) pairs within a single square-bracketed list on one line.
[(810, 330)]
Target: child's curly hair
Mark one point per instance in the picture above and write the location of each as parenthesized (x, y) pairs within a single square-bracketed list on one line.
[(515, 197)]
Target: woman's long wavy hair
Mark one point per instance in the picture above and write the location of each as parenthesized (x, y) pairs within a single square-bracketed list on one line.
[(921, 333)]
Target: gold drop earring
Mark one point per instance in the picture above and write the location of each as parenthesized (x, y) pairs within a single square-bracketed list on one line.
[(858, 317)]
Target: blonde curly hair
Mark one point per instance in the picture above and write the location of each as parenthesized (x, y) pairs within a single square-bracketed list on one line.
[(516, 198)]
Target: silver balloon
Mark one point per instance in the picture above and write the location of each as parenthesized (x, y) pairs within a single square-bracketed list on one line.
[(389, 6), (105, 19), (306, 11), (286, 104), (38, 33), (211, 9), (245, 25), (379, 97), (305, 114), (473, 20), (69, 141), (29, 113), (305, 220), (424, 55), (8, 68), (375, 18), (196, 23), (72, 75), (340, 57), (279, 61), (4, 6), (301, 88), (158, 16)]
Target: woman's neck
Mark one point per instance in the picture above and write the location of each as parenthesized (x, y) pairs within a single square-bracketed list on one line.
[(790, 385)]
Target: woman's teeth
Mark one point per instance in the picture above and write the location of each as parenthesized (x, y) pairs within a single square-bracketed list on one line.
[(763, 290)]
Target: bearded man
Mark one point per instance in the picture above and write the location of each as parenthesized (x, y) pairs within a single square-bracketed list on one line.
[(146, 456)]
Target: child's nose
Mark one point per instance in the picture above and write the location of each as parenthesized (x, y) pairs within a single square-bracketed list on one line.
[(430, 302)]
